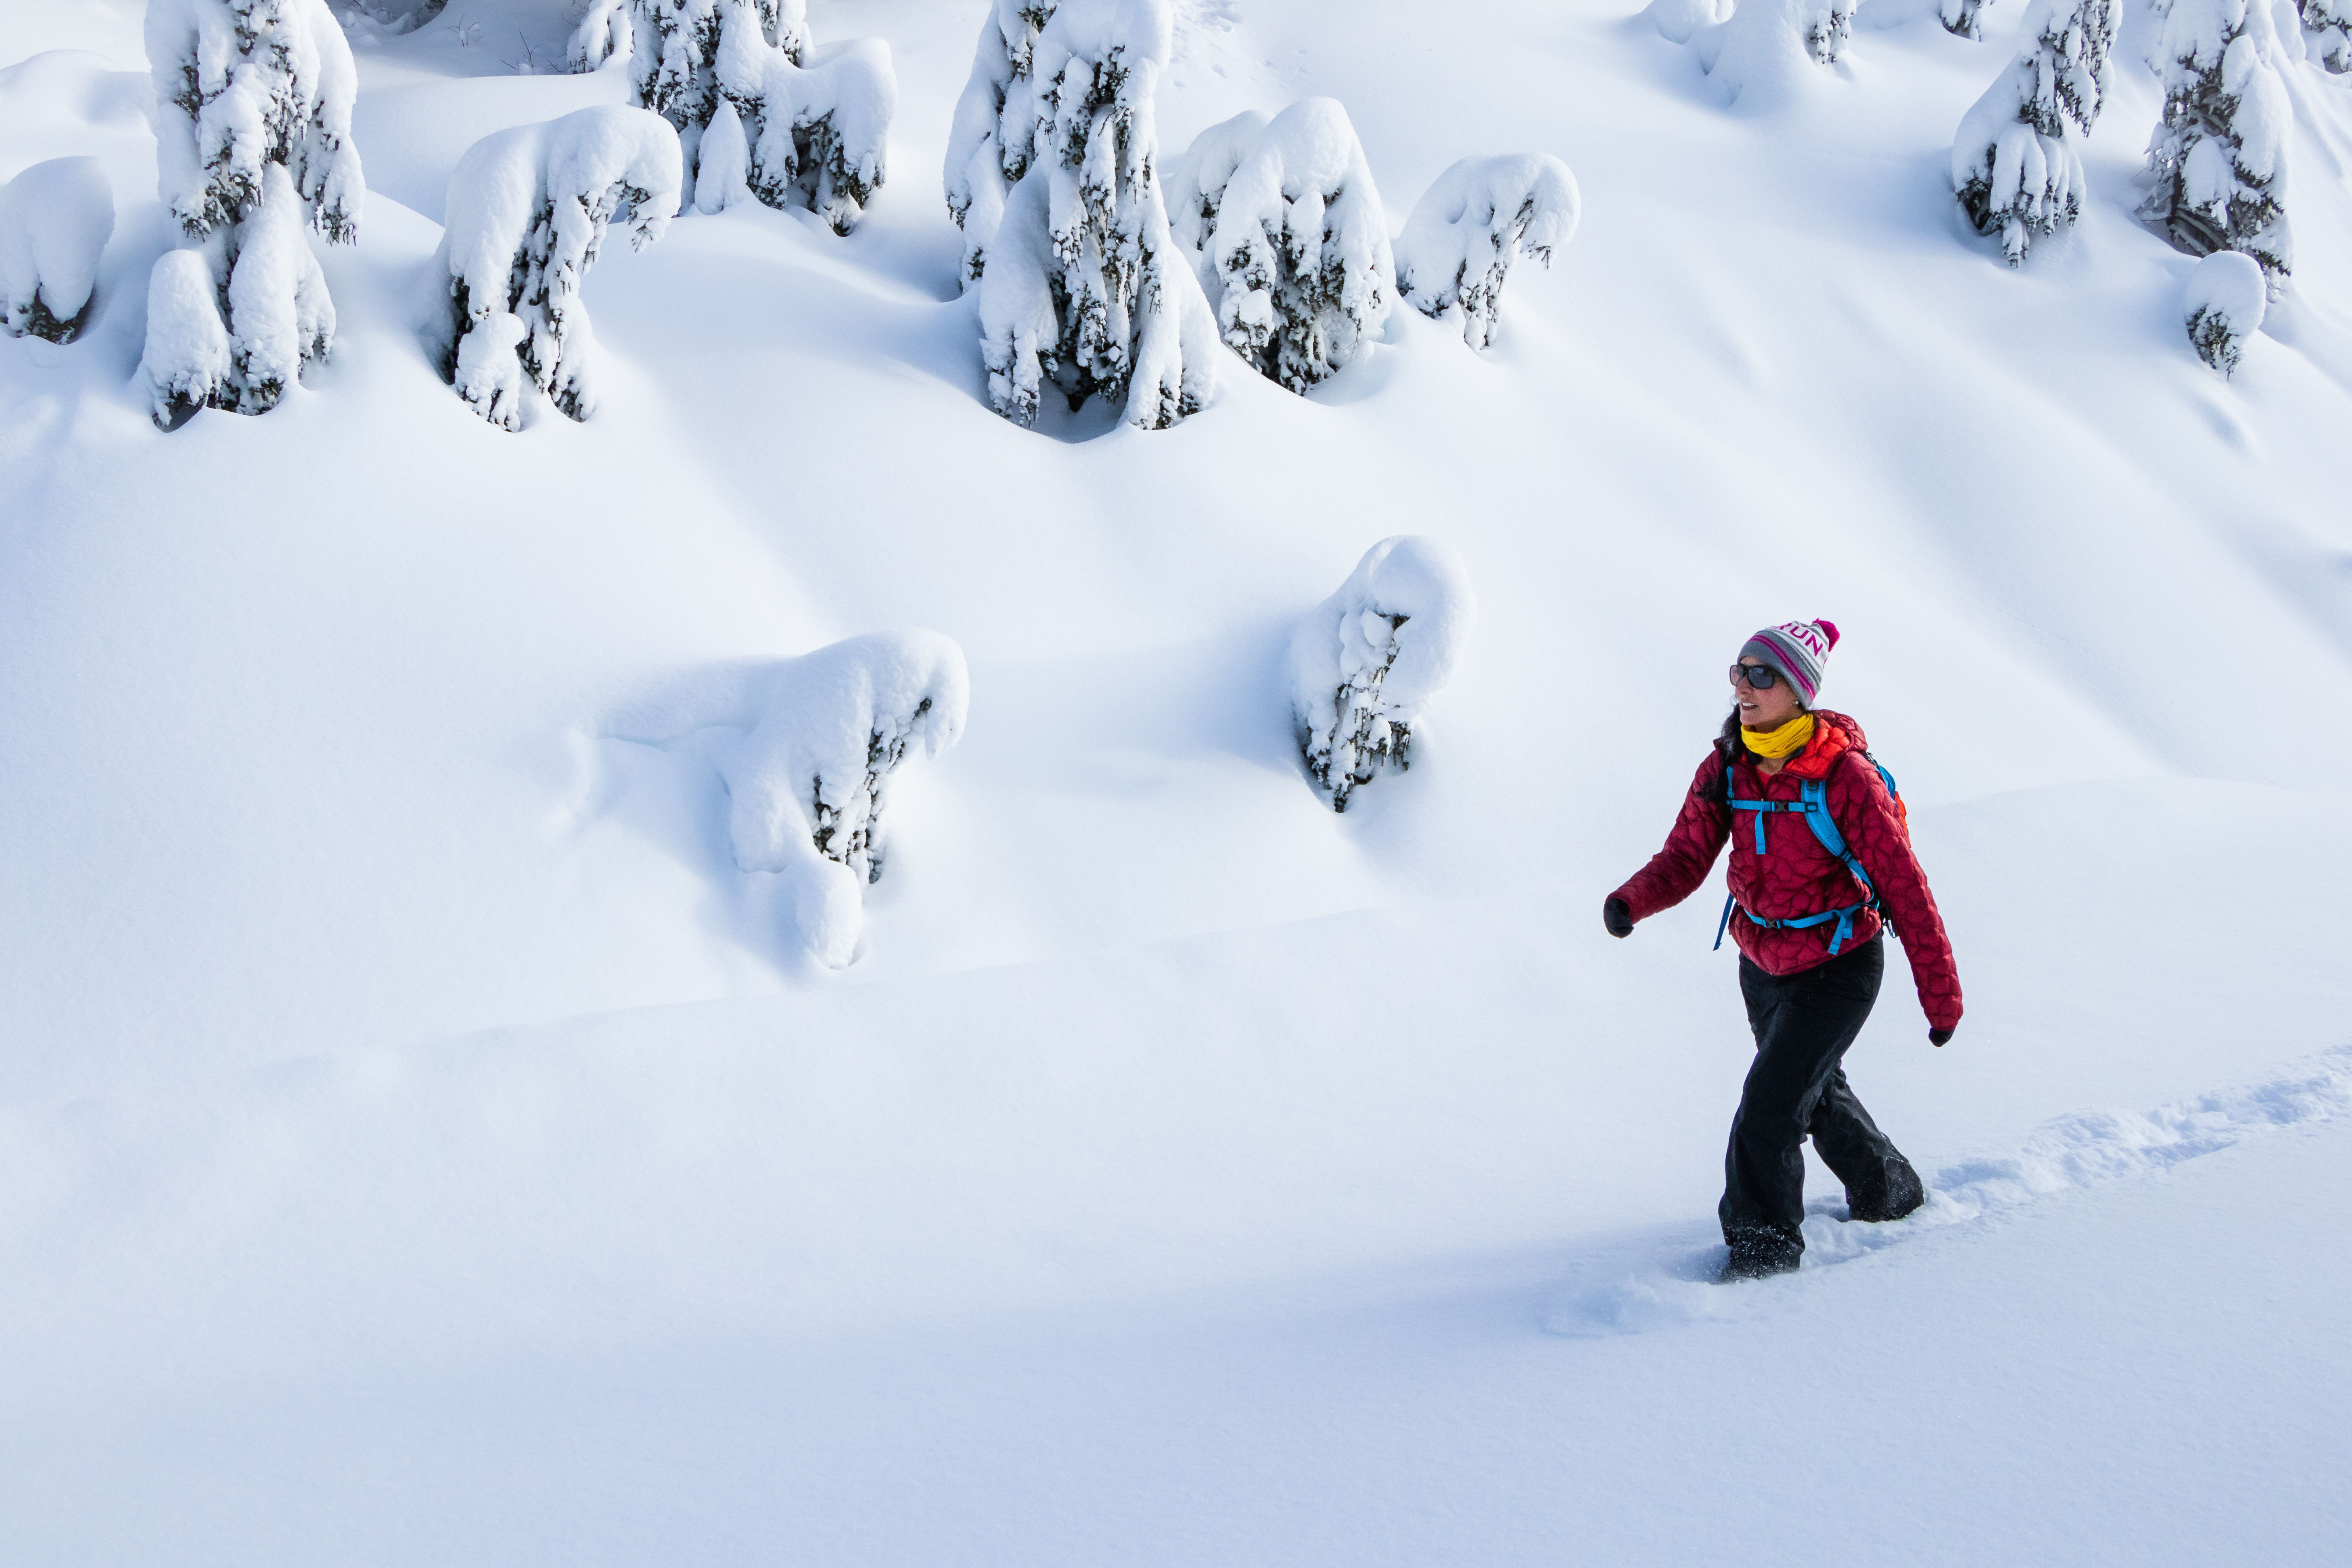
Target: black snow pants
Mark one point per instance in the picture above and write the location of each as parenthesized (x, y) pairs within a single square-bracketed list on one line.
[(1803, 1024)]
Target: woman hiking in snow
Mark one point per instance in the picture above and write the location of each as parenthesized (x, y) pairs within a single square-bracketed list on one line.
[(1807, 921)]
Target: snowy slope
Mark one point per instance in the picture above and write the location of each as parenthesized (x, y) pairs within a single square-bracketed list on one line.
[(419, 1145)]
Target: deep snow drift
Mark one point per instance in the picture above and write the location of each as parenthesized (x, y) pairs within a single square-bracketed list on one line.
[(422, 1140)]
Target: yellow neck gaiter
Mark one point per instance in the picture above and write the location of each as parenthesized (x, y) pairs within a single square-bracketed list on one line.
[(1785, 742)]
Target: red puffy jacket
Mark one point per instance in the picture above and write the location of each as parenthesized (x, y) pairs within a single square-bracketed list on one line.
[(1796, 875)]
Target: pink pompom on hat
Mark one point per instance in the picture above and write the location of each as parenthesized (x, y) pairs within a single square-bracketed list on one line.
[(1798, 649)]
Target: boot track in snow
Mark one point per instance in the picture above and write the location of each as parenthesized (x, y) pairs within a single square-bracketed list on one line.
[(2087, 1149)]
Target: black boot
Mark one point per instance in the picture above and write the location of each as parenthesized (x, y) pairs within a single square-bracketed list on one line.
[(1760, 1254), (1900, 1195)]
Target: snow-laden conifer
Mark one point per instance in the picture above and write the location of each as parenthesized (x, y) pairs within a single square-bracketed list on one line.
[(807, 748), (2014, 169), (253, 101), (1458, 245), (814, 120), (1366, 661), (1084, 289), (55, 220), (186, 364), (1290, 238), (1768, 49), (2222, 306), (2217, 162), (2327, 32), (993, 136), (527, 212)]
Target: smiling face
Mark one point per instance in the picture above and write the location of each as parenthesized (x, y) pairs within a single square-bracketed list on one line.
[(1765, 710)]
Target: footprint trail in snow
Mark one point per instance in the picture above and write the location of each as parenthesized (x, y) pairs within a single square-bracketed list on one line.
[(1621, 1295)]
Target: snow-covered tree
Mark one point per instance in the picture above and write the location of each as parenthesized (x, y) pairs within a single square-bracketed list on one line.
[(2327, 32), (1366, 661), (2221, 305), (1286, 225), (810, 122), (1766, 51), (527, 213), (807, 748), (2014, 169), (253, 104), (55, 220), (1082, 284), (2217, 163), (1458, 245), (993, 137)]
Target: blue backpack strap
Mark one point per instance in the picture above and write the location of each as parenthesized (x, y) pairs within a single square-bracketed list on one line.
[(1825, 829)]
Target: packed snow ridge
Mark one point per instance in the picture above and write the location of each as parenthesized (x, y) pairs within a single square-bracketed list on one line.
[(1366, 661)]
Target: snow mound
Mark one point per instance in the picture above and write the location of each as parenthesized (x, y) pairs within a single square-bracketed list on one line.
[(528, 210), (807, 748), (2088, 1148), (2223, 304), (55, 220), (1766, 52), (1291, 239), (1082, 286), (1366, 661), (1458, 245)]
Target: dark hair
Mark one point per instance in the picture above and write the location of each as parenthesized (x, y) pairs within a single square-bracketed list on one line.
[(1729, 744)]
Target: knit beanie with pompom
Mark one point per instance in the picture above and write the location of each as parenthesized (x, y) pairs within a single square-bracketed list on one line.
[(1798, 649)]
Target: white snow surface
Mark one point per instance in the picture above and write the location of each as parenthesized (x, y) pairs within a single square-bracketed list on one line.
[(420, 1144)]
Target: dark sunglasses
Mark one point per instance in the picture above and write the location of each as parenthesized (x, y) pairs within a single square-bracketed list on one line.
[(1761, 676)]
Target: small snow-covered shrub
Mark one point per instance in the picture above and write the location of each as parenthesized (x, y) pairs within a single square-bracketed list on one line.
[(2221, 305), (813, 122), (1766, 50), (55, 220), (527, 213), (807, 748), (2014, 169), (1961, 18), (993, 137), (2327, 32), (2217, 162), (1458, 245), (1366, 661), (1289, 225), (1083, 287), (253, 145)]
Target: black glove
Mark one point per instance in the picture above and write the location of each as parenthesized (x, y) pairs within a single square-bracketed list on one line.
[(1617, 918), (1938, 1037)]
